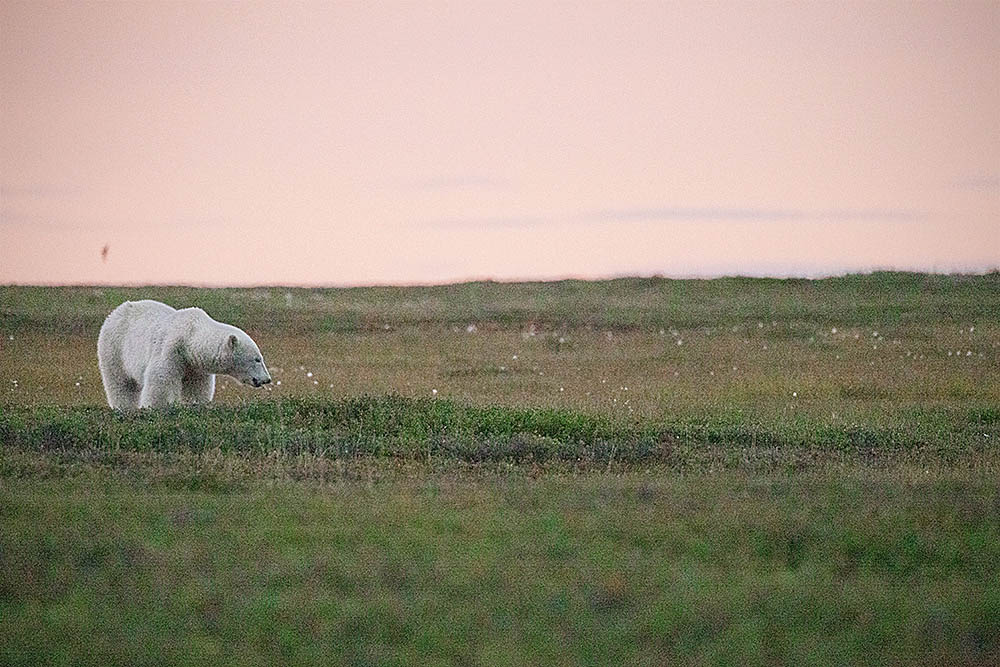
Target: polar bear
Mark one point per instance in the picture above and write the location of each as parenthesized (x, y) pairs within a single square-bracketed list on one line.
[(153, 355)]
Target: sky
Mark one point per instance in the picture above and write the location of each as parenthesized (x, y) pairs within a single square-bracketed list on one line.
[(356, 143)]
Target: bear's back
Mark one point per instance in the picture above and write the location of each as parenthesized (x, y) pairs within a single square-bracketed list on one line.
[(135, 323), (145, 307)]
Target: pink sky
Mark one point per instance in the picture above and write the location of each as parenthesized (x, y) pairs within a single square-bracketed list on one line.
[(362, 142)]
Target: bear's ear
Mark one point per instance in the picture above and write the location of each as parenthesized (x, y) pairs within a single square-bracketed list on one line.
[(232, 341)]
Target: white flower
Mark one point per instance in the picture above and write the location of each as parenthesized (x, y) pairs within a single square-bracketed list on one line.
[(795, 394), (434, 391), (309, 374), (833, 330), (278, 383)]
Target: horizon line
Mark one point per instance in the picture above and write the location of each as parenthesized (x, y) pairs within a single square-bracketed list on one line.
[(488, 279)]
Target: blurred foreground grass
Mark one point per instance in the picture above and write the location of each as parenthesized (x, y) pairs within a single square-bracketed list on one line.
[(461, 567)]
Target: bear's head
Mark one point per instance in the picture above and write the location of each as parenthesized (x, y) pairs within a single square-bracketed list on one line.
[(243, 360)]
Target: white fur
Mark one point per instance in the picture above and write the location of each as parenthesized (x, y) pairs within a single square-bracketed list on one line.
[(153, 355)]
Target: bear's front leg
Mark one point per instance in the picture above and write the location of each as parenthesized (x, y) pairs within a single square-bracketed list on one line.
[(198, 389), (161, 385)]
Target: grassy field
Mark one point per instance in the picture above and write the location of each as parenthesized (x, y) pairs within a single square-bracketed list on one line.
[(637, 471)]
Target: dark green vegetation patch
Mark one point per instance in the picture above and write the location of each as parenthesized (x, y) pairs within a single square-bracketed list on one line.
[(417, 429)]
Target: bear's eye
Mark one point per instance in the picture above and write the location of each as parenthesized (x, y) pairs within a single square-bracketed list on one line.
[(258, 360)]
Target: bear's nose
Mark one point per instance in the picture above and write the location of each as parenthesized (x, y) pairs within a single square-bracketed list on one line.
[(267, 380)]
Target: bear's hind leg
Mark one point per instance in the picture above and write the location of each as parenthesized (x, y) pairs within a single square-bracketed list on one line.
[(122, 395), (121, 390)]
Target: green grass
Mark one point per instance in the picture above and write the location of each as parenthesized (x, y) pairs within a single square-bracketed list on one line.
[(637, 471), (504, 570)]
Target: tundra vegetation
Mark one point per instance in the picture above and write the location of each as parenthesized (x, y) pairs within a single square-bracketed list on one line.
[(634, 471)]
